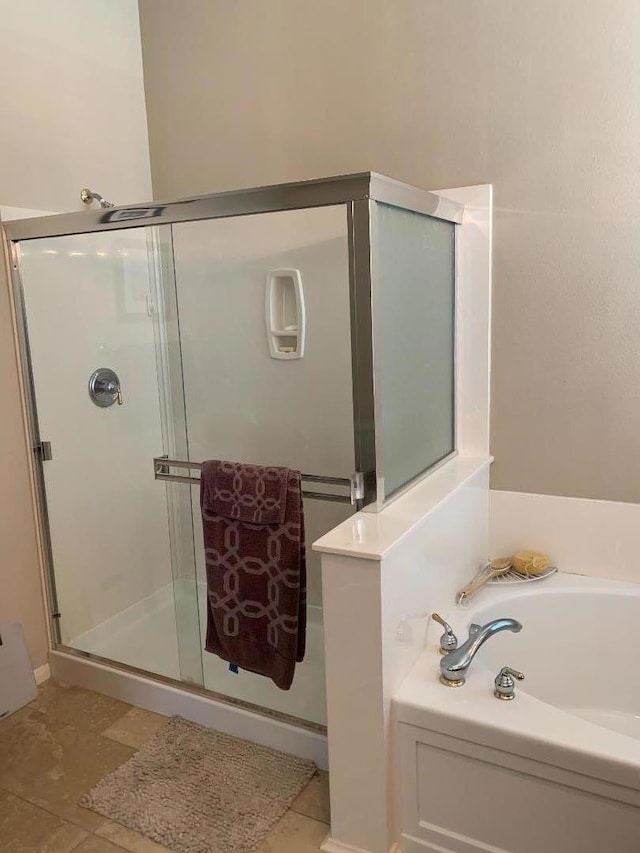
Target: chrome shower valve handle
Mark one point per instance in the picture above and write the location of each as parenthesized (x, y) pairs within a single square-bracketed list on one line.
[(104, 388), (505, 685), (448, 640)]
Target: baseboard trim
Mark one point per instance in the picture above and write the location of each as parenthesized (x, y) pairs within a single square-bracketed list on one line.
[(440, 840), (330, 845), (42, 673), (169, 700)]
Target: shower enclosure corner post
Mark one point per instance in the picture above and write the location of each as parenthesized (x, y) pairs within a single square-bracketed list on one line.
[(10, 278), (360, 272)]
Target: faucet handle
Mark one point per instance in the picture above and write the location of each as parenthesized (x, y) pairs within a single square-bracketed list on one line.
[(504, 685), (448, 640)]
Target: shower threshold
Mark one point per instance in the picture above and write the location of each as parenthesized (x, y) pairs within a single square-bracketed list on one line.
[(137, 650)]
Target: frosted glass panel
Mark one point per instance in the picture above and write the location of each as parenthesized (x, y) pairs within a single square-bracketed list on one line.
[(414, 351)]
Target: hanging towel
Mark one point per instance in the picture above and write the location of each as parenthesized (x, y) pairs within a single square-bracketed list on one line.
[(253, 527)]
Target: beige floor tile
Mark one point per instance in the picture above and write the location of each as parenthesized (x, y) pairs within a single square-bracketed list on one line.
[(294, 833), (135, 727), (93, 844), (60, 705), (53, 767), (313, 801), (128, 839), (24, 828)]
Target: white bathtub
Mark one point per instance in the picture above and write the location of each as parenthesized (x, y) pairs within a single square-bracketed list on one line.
[(555, 770)]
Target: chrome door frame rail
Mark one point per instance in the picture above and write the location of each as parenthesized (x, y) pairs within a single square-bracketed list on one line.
[(341, 189), (355, 483), (10, 265)]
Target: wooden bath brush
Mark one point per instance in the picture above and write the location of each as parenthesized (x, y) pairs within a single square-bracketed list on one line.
[(495, 568)]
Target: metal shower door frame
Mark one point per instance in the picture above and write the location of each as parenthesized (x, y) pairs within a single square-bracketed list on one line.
[(357, 193)]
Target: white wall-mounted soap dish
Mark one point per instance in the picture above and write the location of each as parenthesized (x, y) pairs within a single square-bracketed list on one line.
[(285, 313)]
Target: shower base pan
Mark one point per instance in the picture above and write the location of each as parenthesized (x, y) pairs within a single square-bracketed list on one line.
[(145, 636)]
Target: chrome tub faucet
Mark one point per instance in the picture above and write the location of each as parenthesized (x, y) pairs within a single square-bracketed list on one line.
[(454, 664)]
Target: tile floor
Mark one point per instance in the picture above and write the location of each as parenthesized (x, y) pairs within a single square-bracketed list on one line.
[(60, 745)]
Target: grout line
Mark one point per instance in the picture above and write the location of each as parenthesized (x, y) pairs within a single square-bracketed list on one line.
[(318, 775), (311, 817), (63, 820), (300, 814), (48, 811), (109, 841), (82, 840)]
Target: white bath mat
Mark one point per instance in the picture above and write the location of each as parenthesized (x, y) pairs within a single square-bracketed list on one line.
[(196, 790)]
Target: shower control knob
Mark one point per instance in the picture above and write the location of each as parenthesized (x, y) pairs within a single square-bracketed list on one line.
[(505, 684), (104, 387)]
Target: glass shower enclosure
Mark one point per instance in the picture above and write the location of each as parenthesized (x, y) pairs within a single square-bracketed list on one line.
[(306, 325)]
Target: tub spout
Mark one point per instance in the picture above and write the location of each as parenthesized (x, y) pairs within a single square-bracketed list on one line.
[(454, 665)]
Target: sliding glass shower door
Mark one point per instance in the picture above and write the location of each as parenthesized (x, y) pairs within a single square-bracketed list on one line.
[(262, 303), (97, 334)]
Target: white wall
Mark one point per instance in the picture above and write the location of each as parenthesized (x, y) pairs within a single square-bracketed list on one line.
[(20, 579), (73, 114), (541, 99), (73, 106)]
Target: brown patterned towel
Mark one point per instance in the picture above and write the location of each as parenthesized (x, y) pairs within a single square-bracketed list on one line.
[(253, 527)]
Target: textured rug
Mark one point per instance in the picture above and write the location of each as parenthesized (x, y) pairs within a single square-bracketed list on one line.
[(196, 790)]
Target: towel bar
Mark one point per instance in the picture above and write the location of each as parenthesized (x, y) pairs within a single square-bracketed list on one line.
[(355, 483)]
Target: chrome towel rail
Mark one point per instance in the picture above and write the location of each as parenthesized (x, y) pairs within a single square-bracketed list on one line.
[(355, 483)]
